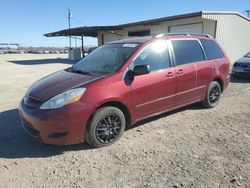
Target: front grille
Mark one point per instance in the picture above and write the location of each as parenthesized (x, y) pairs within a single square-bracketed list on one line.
[(32, 102)]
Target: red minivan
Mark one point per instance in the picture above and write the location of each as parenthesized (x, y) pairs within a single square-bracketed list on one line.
[(121, 83)]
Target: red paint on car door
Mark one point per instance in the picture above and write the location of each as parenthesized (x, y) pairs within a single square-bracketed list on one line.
[(185, 84), (187, 54), (154, 93)]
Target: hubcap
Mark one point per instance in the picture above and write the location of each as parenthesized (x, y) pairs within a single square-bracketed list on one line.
[(108, 128), (214, 95)]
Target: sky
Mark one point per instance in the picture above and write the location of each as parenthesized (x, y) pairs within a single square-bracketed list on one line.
[(25, 21)]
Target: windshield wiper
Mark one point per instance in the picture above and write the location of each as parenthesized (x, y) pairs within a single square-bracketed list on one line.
[(81, 71)]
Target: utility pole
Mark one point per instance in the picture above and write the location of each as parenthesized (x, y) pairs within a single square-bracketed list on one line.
[(248, 13), (69, 18)]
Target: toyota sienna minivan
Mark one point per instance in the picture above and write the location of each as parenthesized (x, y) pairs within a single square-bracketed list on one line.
[(121, 83)]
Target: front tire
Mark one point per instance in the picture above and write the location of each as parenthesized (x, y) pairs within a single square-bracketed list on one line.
[(105, 127), (213, 95)]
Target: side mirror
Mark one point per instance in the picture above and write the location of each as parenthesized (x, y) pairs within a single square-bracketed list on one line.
[(141, 70)]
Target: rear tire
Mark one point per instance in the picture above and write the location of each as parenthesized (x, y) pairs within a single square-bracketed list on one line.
[(105, 127), (212, 96)]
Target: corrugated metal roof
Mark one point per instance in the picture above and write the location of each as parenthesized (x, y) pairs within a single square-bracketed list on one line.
[(79, 31), (153, 21), (93, 30)]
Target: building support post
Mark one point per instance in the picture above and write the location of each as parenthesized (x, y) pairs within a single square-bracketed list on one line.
[(83, 51)]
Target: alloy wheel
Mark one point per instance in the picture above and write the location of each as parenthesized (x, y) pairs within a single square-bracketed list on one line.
[(214, 95), (108, 128)]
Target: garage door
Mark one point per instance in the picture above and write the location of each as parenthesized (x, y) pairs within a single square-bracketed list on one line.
[(189, 28)]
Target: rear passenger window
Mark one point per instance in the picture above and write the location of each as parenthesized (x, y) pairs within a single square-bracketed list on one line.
[(155, 55), (187, 51), (212, 49)]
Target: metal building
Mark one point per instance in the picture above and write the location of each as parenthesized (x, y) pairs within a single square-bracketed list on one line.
[(231, 29)]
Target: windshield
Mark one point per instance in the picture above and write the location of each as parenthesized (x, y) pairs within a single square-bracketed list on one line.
[(105, 59), (247, 55)]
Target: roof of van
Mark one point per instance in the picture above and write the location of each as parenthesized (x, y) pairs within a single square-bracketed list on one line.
[(140, 40)]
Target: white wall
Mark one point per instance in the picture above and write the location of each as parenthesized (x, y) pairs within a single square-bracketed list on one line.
[(209, 27), (108, 36), (187, 28), (233, 33), (161, 27)]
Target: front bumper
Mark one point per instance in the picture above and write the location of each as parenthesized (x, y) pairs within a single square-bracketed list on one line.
[(62, 126), (241, 72)]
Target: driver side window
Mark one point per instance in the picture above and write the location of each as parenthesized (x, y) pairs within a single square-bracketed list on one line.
[(155, 55)]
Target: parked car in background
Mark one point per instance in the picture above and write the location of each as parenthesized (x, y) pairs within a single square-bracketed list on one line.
[(242, 66), (121, 83)]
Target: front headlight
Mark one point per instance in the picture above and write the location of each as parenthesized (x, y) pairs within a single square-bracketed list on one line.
[(64, 98)]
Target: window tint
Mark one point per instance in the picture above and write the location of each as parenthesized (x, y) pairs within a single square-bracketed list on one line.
[(155, 55), (187, 51), (212, 49)]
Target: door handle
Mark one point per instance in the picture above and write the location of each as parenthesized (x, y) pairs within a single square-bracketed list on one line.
[(170, 74), (180, 71)]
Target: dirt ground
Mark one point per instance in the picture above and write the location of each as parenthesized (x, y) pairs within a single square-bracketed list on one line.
[(190, 147)]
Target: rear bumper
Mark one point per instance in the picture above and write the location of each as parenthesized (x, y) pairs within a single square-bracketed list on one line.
[(62, 126)]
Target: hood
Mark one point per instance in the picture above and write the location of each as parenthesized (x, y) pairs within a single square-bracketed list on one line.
[(57, 83), (244, 60)]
